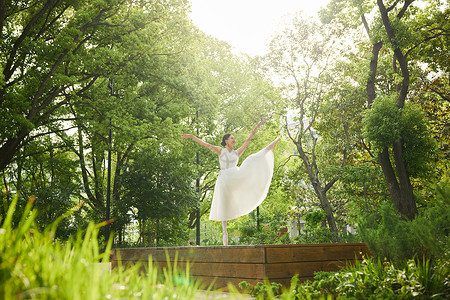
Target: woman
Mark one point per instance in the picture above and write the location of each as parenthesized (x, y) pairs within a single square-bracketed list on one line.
[(238, 190)]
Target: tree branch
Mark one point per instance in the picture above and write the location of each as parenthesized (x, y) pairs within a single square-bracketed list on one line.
[(9, 69), (45, 28), (393, 5), (425, 40), (50, 132), (397, 52), (370, 87), (329, 184), (2, 17), (366, 25), (404, 8)]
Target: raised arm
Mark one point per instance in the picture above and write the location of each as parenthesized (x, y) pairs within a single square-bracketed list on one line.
[(216, 149), (247, 141)]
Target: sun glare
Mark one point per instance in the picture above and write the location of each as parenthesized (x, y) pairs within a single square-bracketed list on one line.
[(247, 24)]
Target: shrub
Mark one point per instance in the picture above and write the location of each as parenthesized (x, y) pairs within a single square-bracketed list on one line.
[(376, 279), (261, 290), (370, 279), (389, 236), (314, 232)]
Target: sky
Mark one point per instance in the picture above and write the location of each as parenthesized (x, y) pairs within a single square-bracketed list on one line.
[(247, 24)]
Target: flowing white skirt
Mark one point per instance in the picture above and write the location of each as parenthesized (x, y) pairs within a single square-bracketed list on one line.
[(239, 190)]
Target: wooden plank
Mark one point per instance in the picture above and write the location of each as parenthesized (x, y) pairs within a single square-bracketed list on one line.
[(195, 254), (248, 254), (255, 271), (303, 269), (251, 271), (302, 253), (227, 254)]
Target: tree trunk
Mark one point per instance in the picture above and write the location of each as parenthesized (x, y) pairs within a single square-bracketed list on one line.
[(373, 73), (407, 206), (319, 190), (93, 201), (11, 147), (389, 176), (325, 204), (397, 179)]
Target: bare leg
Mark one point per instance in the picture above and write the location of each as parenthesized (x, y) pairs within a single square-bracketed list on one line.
[(273, 144), (225, 233)]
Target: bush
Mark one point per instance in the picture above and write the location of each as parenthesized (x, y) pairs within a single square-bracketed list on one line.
[(389, 236), (315, 233), (270, 232), (370, 279), (261, 290), (374, 279)]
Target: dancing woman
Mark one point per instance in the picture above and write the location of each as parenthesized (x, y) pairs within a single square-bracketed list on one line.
[(239, 190)]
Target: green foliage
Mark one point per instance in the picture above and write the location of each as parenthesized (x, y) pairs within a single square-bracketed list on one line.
[(362, 186), (52, 180), (374, 279), (389, 236), (386, 235), (157, 188), (382, 123), (34, 265), (432, 21), (314, 218), (314, 232), (261, 290), (269, 232), (369, 279), (419, 147), (385, 124), (70, 46)]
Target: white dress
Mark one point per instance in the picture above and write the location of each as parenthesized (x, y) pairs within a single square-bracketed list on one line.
[(239, 190)]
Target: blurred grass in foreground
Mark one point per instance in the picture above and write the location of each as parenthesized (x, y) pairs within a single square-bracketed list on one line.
[(33, 265)]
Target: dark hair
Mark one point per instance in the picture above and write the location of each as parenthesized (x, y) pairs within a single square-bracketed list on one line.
[(224, 138)]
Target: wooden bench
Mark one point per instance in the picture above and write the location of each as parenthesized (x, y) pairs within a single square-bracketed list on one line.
[(233, 264)]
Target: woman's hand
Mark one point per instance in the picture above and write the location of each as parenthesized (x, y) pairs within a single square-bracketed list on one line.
[(258, 125)]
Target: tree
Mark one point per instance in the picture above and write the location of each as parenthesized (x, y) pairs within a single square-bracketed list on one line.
[(53, 53), (301, 57), (50, 179), (396, 36), (58, 59), (157, 188)]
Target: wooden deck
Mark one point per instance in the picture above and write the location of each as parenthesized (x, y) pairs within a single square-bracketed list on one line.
[(233, 264)]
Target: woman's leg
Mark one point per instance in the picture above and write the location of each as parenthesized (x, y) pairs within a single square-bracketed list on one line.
[(273, 144), (225, 233)]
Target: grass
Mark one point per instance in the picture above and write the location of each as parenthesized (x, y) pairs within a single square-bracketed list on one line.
[(34, 265)]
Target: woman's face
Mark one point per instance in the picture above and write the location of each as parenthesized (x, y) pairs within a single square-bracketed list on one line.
[(230, 141)]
